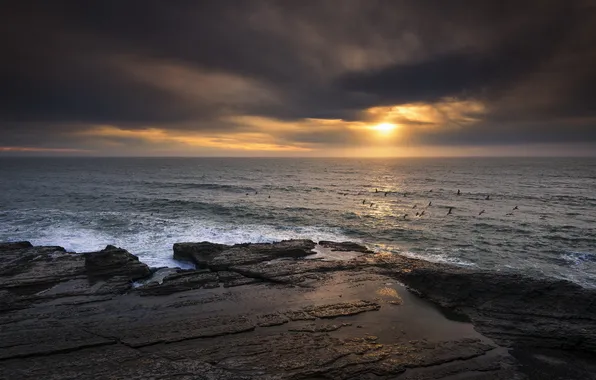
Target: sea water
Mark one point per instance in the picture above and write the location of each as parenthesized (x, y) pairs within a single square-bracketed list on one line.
[(146, 204)]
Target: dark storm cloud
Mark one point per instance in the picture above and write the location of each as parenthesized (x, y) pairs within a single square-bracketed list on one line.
[(71, 64)]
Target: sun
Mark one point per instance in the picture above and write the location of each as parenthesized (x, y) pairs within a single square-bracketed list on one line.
[(384, 128)]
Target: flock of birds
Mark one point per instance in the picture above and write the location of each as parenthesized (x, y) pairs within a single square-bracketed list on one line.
[(418, 213), (421, 213)]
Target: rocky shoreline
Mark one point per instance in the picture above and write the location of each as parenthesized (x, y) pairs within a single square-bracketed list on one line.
[(283, 311)]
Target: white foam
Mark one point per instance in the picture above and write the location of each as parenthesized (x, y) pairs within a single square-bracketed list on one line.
[(154, 238), (437, 258)]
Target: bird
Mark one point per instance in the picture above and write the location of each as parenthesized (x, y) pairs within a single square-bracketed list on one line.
[(151, 214), (515, 208), (458, 192), (371, 204), (376, 190), (509, 214), (269, 196), (415, 206), (345, 194), (487, 198), (417, 213), (363, 201), (481, 212), (256, 192), (405, 216), (246, 193), (429, 204), (405, 194), (430, 191), (385, 193), (422, 213), (449, 212)]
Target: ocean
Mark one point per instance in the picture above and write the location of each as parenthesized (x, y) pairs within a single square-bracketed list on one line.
[(146, 204)]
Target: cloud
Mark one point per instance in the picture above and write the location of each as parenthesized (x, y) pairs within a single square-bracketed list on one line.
[(295, 76)]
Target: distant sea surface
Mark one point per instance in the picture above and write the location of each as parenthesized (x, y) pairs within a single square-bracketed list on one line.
[(147, 204)]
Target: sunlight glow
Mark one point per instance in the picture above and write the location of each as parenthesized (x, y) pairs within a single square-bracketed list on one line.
[(384, 128)]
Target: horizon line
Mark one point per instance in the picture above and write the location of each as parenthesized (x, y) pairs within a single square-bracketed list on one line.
[(293, 157)]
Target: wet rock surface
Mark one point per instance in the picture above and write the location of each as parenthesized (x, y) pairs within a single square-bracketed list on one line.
[(270, 311)]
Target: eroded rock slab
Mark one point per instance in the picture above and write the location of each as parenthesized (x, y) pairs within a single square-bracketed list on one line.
[(264, 311)]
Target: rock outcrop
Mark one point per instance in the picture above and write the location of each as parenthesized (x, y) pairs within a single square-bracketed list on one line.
[(32, 274), (271, 311), (511, 308)]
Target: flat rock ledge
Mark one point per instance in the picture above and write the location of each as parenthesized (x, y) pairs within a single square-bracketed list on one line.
[(279, 311)]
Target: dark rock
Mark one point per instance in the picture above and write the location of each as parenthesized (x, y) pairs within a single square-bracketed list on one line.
[(198, 253), (11, 246), (277, 317), (344, 246), (511, 308), (221, 257), (180, 282), (113, 261)]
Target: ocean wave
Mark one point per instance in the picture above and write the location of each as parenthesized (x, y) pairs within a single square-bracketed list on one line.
[(152, 239), (578, 258), (437, 258)]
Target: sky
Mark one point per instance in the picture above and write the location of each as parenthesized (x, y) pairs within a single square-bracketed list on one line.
[(347, 78)]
